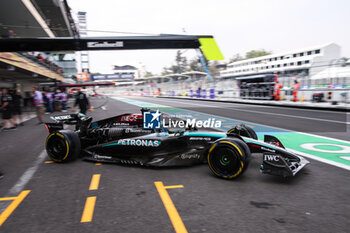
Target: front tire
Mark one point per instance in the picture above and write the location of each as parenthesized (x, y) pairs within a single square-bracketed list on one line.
[(63, 146), (228, 158), (244, 130)]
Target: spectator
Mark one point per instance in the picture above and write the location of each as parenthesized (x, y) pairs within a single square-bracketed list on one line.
[(48, 99), (58, 100), (278, 88), (41, 58), (82, 101), (6, 107), (10, 34), (64, 98), (296, 87), (38, 102), (17, 107)]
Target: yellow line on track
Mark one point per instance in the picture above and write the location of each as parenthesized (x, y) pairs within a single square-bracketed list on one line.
[(16, 201), (98, 163), (170, 208), (8, 198), (49, 162), (173, 187), (88, 209), (95, 182)]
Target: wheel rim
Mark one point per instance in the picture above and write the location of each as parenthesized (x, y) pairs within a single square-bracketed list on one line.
[(225, 161), (57, 148)]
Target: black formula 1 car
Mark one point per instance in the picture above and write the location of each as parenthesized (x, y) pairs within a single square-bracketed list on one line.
[(122, 139)]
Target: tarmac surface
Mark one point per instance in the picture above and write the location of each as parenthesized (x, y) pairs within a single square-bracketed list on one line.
[(53, 197)]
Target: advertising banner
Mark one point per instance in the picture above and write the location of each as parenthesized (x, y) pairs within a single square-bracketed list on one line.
[(112, 76)]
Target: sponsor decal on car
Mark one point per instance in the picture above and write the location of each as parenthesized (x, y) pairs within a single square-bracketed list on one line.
[(102, 157), (200, 139), (269, 157), (65, 117), (136, 130), (131, 118), (121, 124), (139, 142), (190, 156), (268, 149)]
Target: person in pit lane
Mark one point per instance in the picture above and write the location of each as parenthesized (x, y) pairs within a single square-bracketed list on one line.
[(6, 107), (82, 101), (17, 107)]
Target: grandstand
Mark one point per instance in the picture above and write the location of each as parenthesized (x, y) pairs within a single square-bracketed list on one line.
[(312, 66)]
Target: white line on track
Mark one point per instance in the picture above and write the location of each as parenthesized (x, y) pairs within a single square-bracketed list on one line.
[(27, 175), (268, 113)]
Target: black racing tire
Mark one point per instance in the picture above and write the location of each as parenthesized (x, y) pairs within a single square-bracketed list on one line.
[(251, 132), (247, 152), (244, 130), (63, 146), (228, 158)]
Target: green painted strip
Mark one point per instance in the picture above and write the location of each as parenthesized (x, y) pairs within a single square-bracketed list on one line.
[(205, 134), (295, 141)]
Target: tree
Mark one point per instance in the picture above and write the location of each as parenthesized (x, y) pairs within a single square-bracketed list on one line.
[(148, 74), (256, 53), (180, 63), (166, 71), (213, 69), (236, 57), (195, 65)]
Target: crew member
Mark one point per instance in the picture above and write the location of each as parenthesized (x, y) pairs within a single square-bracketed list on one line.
[(296, 87), (17, 107), (278, 88), (6, 107), (82, 101), (58, 101), (48, 96), (64, 99), (38, 102)]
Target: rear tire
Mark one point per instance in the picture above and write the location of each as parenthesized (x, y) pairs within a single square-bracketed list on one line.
[(63, 146), (228, 158)]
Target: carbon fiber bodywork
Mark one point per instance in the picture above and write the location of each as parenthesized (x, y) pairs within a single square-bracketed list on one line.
[(122, 139)]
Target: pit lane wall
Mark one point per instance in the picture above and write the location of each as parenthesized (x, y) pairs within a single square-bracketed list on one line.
[(331, 95)]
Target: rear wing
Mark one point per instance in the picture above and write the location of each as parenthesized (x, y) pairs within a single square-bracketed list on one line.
[(66, 119), (69, 119)]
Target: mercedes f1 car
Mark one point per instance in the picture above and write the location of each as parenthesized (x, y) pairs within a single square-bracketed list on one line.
[(122, 139)]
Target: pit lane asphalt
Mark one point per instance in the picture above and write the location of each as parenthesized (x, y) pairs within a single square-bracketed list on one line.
[(316, 200)]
